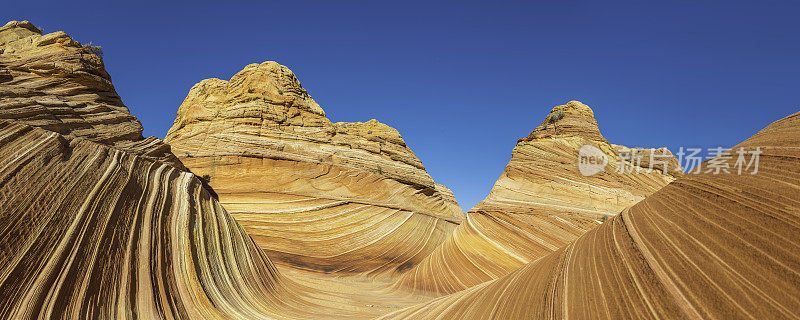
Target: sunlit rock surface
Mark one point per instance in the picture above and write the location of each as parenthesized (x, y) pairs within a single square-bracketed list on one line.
[(91, 231), (540, 203), (315, 195), (704, 247), (97, 222), (52, 82)]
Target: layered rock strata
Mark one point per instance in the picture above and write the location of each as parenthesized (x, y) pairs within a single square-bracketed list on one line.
[(55, 83), (99, 223), (707, 246), (93, 232), (315, 195), (541, 202)]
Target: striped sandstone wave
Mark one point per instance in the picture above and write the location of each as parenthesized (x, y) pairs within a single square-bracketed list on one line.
[(97, 222), (344, 198), (540, 203), (52, 82), (704, 247), (90, 231)]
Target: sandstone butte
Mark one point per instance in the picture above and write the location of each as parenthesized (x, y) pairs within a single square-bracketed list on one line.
[(100, 224), (541, 202), (345, 198)]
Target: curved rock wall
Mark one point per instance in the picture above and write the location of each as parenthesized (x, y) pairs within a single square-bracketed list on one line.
[(704, 247), (539, 204), (52, 82), (315, 195)]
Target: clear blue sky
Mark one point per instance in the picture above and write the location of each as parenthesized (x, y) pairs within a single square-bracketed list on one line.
[(461, 80)]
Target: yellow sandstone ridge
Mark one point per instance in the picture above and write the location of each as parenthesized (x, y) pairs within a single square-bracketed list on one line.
[(345, 198), (100, 223), (539, 204), (103, 226), (706, 246), (52, 82)]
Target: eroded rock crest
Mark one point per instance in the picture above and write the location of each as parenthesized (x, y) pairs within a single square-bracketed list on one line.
[(52, 82), (316, 195), (98, 222), (539, 204), (706, 246)]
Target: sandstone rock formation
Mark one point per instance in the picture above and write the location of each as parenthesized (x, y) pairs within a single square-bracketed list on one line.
[(52, 82), (94, 232), (315, 195), (541, 202), (704, 247), (101, 233), (99, 223)]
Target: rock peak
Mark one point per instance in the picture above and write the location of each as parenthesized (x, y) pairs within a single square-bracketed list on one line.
[(52, 82), (265, 105), (574, 107), (272, 81), (24, 24), (15, 30), (573, 119)]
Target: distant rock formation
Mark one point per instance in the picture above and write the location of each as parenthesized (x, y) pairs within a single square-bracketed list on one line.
[(707, 246), (315, 195), (541, 202), (543, 174)]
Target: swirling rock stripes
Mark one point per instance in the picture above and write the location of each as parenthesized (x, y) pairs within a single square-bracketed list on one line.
[(329, 234), (540, 203), (89, 231), (704, 247), (52, 82), (336, 198)]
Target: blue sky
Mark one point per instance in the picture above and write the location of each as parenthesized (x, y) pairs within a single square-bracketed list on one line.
[(462, 80)]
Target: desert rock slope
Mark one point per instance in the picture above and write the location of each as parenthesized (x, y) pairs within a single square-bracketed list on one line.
[(91, 231), (53, 82), (97, 222), (347, 198), (542, 201), (707, 246), (310, 219)]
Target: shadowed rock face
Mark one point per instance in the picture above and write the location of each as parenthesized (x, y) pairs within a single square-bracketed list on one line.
[(52, 82), (315, 195), (540, 203), (704, 247)]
